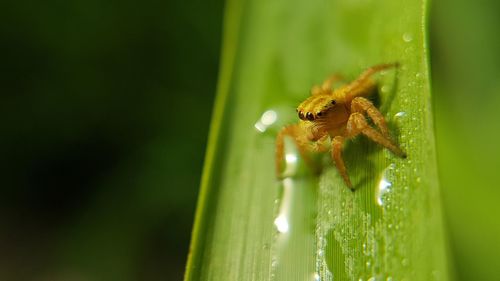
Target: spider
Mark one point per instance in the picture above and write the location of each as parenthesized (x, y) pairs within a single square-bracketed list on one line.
[(331, 116)]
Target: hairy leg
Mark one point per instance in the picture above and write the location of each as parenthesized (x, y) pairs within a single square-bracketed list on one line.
[(357, 124), (327, 84), (363, 105), (364, 83), (337, 145), (320, 145)]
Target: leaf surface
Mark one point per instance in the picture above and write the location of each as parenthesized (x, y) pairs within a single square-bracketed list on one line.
[(249, 225)]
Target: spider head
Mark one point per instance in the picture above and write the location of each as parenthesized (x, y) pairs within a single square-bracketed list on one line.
[(314, 109)]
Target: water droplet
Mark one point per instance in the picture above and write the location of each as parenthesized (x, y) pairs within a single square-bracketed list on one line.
[(291, 223), (316, 277), (371, 279), (384, 186), (384, 89), (400, 114), (268, 118), (281, 224), (389, 278), (291, 158), (418, 179), (281, 221)]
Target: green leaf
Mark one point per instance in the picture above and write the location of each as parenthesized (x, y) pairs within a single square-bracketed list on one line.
[(249, 225)]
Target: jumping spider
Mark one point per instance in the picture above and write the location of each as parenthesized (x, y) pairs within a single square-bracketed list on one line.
[(337, 115)]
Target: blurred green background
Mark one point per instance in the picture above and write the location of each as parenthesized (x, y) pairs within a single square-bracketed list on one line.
[(104, 114), (104, 110), (465, 58)]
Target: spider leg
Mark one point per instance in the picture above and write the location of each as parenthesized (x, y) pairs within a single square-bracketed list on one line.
[(327, 84), (363, 84), (320, 144), (357, 124), (362, 105), (297, 134), (337, 144), (315, 90)]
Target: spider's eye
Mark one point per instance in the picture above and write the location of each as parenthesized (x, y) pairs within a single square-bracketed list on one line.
[(319, 113), (333, 102), (301, 115), (310, 116)]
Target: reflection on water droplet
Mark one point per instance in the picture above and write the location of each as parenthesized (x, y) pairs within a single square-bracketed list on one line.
[(293, 234), (400, 114), (316, 277), (291, 158), (281, 221), (384, 185), (407, 37), (281, 224), (267, 119)]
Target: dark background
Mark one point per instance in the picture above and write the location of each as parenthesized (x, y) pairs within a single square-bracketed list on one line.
[(104, 115)]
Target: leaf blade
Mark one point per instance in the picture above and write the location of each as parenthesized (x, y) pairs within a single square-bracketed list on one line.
[(282, 49)]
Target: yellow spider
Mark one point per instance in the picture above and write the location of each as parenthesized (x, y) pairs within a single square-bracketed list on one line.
[(337, 115)]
